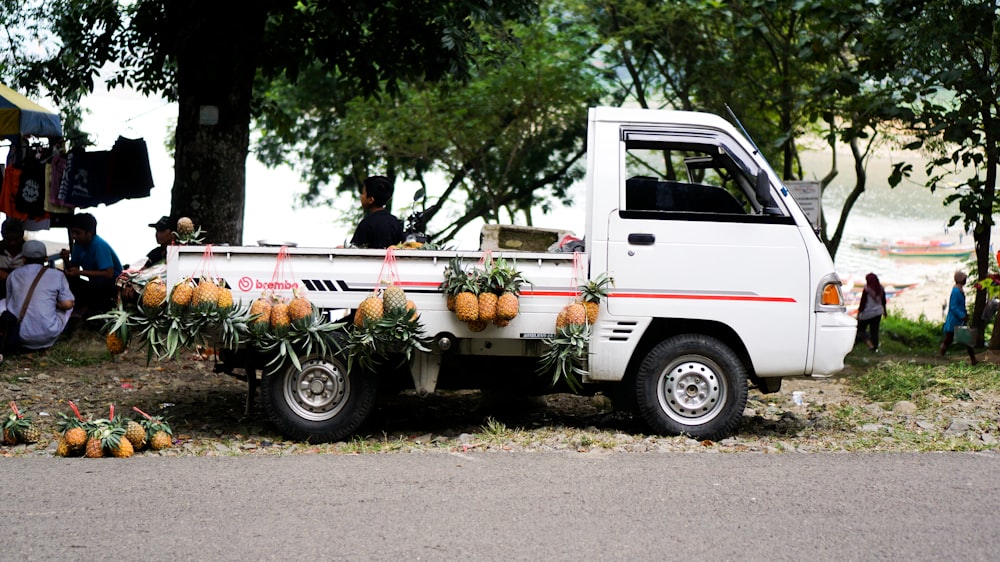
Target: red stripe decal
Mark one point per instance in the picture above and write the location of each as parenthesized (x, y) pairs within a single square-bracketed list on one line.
[(754, 298)]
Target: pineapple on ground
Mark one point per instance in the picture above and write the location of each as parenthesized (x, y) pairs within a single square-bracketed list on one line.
[(113, 441), (94, 449), (135, 433), (158, 432), (9, 436)]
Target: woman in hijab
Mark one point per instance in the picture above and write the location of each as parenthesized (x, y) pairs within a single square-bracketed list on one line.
[(871, 309)]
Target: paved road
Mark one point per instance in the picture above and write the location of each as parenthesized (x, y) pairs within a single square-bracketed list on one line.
[(497, 506)]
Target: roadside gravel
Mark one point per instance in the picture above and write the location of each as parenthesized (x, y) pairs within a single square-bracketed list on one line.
[(206, 411)]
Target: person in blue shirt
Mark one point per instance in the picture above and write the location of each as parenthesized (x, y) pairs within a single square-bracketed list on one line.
[(91, 267), (957, 316), (379, 228)]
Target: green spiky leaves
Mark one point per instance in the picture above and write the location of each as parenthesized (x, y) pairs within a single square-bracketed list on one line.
[(398, 333), (566, 356)]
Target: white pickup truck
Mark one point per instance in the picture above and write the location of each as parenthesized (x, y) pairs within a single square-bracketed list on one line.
[(720, 282)]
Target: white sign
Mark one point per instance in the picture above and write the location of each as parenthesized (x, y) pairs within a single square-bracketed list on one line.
[(807, 195)]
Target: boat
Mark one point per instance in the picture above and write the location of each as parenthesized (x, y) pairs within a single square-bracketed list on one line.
[(927, 252), (880, 245)]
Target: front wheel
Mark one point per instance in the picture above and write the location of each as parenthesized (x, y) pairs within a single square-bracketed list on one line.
[(693, 385), (321, 402)]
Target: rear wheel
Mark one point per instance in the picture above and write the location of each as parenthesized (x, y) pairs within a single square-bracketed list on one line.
[(320, 402), (693, 385)]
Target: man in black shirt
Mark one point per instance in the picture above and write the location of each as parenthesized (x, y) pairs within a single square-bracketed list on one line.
[(379, 228)]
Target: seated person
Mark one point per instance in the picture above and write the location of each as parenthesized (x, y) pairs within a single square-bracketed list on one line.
[(49, 302), (136, 275), (91, 267), (379, 228), (12, 231), (164, 237)]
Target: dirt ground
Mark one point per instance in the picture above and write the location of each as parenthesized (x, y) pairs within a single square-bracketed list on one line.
[(207, 410)]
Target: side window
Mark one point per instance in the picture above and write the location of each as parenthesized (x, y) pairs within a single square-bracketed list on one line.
[(693, 178)]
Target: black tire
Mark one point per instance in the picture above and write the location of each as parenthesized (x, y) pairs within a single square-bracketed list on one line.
[(321, 402), (692, 385)]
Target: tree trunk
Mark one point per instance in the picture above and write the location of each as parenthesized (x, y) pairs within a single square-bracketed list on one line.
[(217, 48)]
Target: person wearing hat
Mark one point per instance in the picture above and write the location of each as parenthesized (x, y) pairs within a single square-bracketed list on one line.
[(91, 266), (164, 237), (42, 295)]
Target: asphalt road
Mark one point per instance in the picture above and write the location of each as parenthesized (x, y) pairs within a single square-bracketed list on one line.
[(504, 506)]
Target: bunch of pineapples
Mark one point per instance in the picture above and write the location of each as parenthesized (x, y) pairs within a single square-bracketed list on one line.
[(114, 436), (386, 323), (285, 330), (565, 357), (17, 428), (483, 295)]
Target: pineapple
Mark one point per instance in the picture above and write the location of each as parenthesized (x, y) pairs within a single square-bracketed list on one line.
[(185, 226), (507, 306), (94, 449), (206, 293), (158, 432), (112, 439), (393, 297), (413, 312), (279, 319), (136, 434), (182, 293), (260, 313), (76, 437), (593, 291), (500, 322), (155, 293), (115, 344), (509, 287), (9, 435), (27, 432), (487, 306), (371, 310), (19, 429), (63, 449), (225, 300), (454, 279), (575, 315), (74, 430), (300, 307), (467, 301), (477, 325)]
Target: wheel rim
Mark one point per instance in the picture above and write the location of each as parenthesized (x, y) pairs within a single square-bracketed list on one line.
[(319, 391), (691, 389)]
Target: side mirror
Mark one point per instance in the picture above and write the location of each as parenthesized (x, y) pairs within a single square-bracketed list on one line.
[(762, 190)]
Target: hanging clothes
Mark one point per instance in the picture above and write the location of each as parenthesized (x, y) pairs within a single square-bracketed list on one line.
[(85, 180), (130, 176), (30, 197)]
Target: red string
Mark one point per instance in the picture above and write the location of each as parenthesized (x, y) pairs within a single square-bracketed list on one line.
[(579, 273), (388, 269), (206, 268)]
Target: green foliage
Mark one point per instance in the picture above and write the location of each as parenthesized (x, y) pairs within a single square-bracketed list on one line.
[(506, 139), (904, 334), (398, 333)]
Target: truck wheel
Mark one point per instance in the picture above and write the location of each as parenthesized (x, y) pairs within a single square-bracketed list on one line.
[(321, 402), (693, 385)]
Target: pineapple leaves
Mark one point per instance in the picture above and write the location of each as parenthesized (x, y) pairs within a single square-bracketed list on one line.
[(566, 356)]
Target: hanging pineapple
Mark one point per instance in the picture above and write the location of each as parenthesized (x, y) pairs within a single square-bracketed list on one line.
[(182, 293), (300, 307), (154, 294), (393, 297), (279, 315), (205, 294), (369, 311), (509, 281), (467, 301), (593, 292), (454, 280), (260, 314)]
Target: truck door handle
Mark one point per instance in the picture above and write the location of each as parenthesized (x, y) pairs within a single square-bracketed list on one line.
[(641, 239)]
